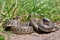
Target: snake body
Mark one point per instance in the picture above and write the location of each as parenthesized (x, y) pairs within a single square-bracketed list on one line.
[(18, 27), (22, 28), (44, 24)]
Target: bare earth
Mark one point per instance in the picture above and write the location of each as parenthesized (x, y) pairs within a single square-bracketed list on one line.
[(34, 36)]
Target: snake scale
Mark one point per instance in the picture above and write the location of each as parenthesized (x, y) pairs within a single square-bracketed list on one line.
[(43, 24)]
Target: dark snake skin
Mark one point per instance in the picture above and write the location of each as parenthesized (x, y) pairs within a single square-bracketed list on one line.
[(18, 27), (28, 27), (43, 25)]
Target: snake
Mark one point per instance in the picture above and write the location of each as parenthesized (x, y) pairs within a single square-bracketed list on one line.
[(44, 24), (17, 27), (22, 28)]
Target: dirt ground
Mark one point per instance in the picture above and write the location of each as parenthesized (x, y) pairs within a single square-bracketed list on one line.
[(34, 36)]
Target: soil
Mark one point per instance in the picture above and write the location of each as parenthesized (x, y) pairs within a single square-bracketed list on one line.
[(34, 36)]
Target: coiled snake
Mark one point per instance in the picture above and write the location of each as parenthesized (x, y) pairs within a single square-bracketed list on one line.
[(44, 24), (38, 24)]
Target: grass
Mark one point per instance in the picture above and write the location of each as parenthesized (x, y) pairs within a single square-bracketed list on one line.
[(43, 8), (1, 37)]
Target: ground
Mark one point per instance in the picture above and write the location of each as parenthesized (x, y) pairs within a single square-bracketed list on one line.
[(35, 36)]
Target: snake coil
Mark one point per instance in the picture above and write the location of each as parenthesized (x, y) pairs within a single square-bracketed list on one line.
[(44, 24)]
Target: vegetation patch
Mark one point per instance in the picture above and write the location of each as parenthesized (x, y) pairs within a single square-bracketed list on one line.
[(2, 37)]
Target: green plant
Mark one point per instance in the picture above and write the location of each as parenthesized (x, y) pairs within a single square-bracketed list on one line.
[(2, 37), (44, 8)]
